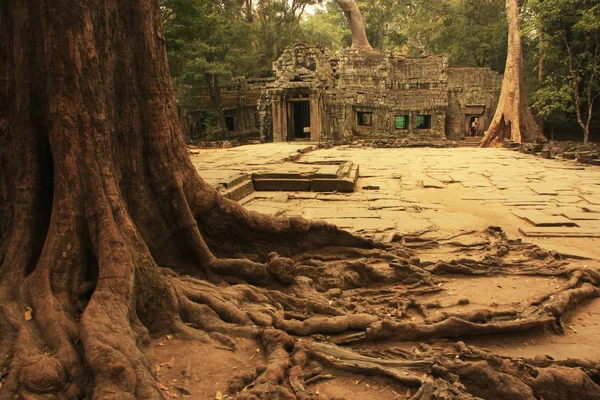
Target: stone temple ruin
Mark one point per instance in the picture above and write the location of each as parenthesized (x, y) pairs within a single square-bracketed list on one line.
[(349, 95)]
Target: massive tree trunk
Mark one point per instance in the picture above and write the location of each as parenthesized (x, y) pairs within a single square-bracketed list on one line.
[(97, 190), (513, 119), (108, 236), (357, 25)]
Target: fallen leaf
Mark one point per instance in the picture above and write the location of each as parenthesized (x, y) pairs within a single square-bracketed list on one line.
[(317, 392), (219, 396), (408, 393), (156, 368), (28, 312), (170, 363), (169, 337)]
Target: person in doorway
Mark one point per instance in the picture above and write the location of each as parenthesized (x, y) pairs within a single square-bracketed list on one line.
[(475, 127)]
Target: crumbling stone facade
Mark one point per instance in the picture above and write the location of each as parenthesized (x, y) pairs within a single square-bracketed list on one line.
[(337, 98)]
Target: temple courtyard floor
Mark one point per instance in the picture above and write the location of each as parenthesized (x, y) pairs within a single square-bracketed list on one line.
[(551, 202)]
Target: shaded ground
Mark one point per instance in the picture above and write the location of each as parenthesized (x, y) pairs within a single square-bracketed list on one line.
[(437, 202)]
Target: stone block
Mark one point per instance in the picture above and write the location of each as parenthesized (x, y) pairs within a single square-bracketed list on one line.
[(240, 191), (332, 185), (290, 185), (560, 232), (539, 218)]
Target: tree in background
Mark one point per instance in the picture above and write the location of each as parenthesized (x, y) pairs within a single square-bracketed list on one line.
[(278, 27), (513, 119), (208, 43), (571, 36), (324, 28), (356, 23)]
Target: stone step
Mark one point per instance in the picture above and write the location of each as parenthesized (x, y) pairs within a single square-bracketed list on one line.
[(343, 181), (239, 190), (469, 141)]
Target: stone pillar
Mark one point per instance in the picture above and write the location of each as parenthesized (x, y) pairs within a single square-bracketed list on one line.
[(279, 118), (315, 117)]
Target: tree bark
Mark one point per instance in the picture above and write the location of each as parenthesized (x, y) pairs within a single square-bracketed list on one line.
[(513, 119), (357, 25)]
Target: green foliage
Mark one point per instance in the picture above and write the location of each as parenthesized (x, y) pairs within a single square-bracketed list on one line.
[(476, 34), (568, 39), (205, 40), (469, 32), (324, 28)]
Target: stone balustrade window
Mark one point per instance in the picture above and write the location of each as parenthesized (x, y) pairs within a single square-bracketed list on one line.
[(364, 118)]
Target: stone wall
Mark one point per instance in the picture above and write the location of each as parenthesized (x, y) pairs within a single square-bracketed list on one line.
[(387, 87), (472, 92)]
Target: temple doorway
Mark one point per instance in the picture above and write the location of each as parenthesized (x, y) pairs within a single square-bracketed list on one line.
[(299, 121)]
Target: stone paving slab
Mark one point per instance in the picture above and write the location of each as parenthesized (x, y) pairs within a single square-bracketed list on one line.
[(539, 218), (560, 232), (595, 200), (346, 212), (578, 214), (543, 189), (432, 183)]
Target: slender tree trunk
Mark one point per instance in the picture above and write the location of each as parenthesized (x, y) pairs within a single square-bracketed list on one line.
[(592, 42), (214, 90), (541, 74), (250, 20), (357, 25), (513, 119)]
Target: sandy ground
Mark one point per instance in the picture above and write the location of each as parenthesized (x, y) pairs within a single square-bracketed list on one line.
[(446, 191)]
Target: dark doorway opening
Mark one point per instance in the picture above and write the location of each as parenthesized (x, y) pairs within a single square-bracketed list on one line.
[(300, 121), (229, 124)]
